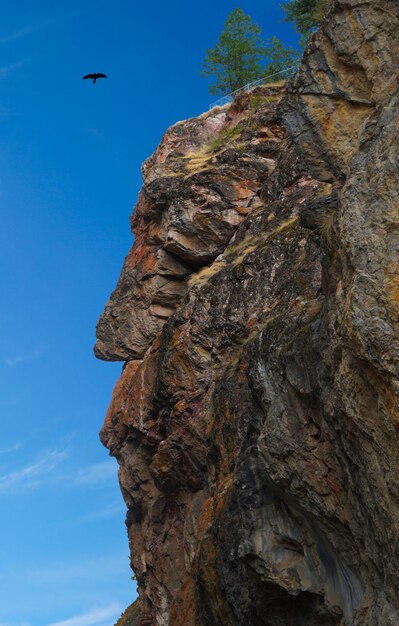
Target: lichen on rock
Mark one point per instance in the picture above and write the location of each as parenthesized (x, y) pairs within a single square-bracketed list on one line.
[(256, 419)]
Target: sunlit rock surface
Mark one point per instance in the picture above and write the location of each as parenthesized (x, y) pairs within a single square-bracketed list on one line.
[(256, 418)]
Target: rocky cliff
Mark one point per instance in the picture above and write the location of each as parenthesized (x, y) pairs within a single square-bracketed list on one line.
[(256, 419)]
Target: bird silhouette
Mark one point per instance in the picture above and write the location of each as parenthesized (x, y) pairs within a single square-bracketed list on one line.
[(94, 76)]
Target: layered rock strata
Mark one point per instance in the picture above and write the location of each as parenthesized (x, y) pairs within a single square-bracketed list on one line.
[(256, 419)]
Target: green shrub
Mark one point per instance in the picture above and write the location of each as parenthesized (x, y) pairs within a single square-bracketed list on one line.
[(226, 135)]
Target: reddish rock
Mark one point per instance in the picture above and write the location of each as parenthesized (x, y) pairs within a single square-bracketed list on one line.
[(256, 420)]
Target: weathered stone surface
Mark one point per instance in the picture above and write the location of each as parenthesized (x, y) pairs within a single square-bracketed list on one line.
[(194, 197), (351, 67), (256, 421)]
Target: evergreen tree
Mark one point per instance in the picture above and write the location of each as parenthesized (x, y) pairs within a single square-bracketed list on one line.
[(237, 57), (279, 57), (306, 14)]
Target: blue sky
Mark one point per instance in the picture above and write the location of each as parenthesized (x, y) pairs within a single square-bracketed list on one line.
[(70, 156)]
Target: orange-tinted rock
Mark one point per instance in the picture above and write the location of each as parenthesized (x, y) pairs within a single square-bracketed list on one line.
[(194, 197), (256, 421)]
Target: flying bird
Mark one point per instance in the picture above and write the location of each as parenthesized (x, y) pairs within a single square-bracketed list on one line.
[(95, 76)]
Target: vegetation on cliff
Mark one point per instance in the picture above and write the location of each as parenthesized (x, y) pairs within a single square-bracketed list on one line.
[(241, 56), (305, 14), (236, 59)]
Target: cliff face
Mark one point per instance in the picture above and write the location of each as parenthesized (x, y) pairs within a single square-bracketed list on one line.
[(256, 419)]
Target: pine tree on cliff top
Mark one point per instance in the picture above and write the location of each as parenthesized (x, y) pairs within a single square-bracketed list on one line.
[(236, 58), (241, 57), (306, 14)]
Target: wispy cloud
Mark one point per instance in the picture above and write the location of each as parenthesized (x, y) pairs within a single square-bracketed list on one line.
[(47, 469), (12, 361), (33, 474), (96, 474), (95, 568), (15, 446), (19, 33), (28, 30), (108, 511), (6, 70), (94, 131), (92, 618)]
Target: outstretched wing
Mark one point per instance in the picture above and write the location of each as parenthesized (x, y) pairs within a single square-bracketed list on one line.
[(88, 76), (101, 75)]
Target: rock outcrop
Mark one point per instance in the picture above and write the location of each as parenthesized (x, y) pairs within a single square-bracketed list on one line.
[(129, 617), (256, 419)]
